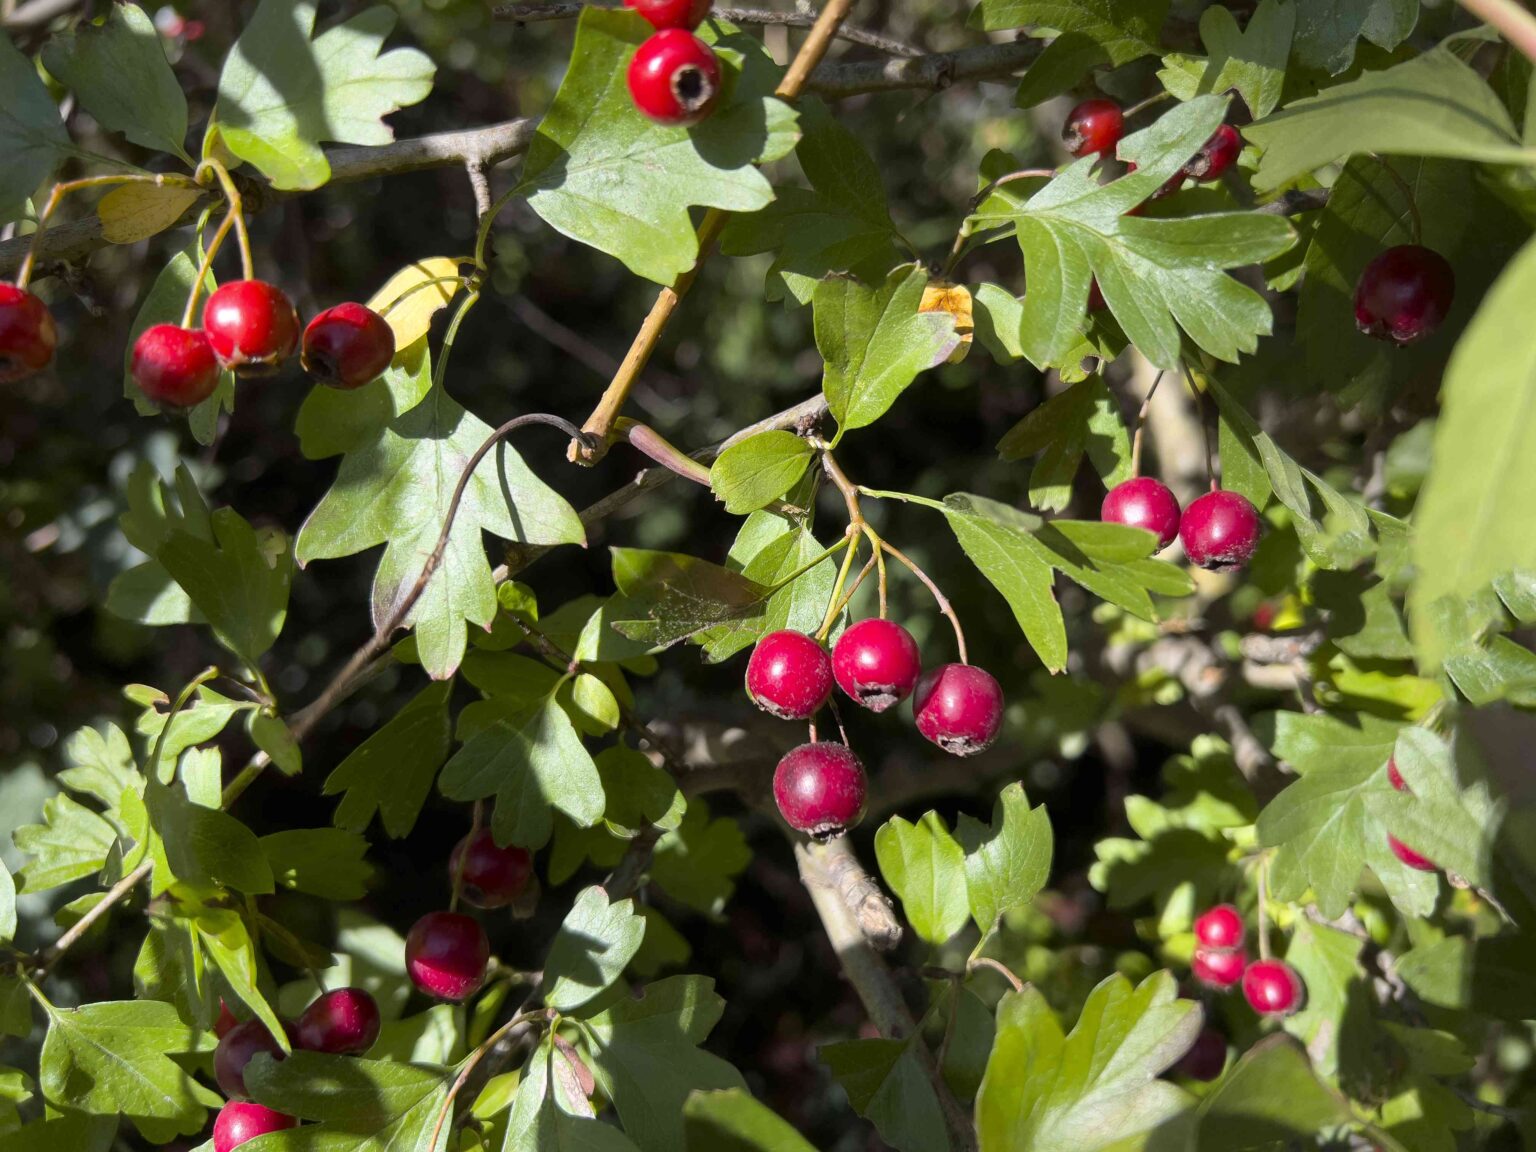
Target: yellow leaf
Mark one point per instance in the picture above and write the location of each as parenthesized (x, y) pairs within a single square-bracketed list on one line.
[(135, 212), (942, 296), (412, 316)]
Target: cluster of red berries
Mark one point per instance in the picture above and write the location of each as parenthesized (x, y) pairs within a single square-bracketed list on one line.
[(1271, 987), (1096, 126), (1404, 853), (820, 787), (674, 77), (1219, 530)]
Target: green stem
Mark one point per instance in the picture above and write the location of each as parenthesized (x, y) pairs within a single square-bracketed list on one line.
[(153, 767), (837, 589), (905, 497)]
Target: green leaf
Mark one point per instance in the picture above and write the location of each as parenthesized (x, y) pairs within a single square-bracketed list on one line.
[(605, 175), (1468, 975), (593, 706), (1084, 418), (1008, 862), (1327, 30), (271, 734), (1269, 1099), (668, 596), (15, 1007), (223, 936), (206, 714), (118, 71), (391, 772), (697, 862), (395, 490), (1096, 1088), (364, 1105), (1328, 960), (7, 904), (1064, 63), (70, 843), (1455, 826), (646, 1057), (332, 421), (925, 867), (589, 952), (32, 137), (551, 1113), (999, 317), (888, 1086), (768, 550), (758, 470), (281, 94), (326, 862), (875, 342), (204, 846), (1125, 29), (101, 765), (732, 1121), (239, 583), (1250, 60), (76, 1131)]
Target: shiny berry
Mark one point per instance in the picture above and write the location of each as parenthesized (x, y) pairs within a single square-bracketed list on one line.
[(1220, 929), (1409, 857), (1396, 777), (493, 876), (789, 675), (1093, 126), (1273, 988), (1404, 294), (1216, 155), (343, 1022), (820, 789), (661, 14), (1142, 502), (240, 1121), (446, 954), (674, 78), (251, 325), (347, 346), (1218, 969), (1220, 530), (876, 663), (959, 707), (235, 1051), (27, 334), (173, 366), (1206, 1057)]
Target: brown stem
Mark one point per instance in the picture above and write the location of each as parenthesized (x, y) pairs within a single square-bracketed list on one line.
[(1141, 423), (945, 607), (1000, 968)]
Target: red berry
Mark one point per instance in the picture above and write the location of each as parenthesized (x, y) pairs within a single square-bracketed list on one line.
[(175, 366), (661, 14), (240, 1121), (235, 1051), (820, 789), (1273, 988), (1142, 502), (27, 334), (876, 663), (1404, 294), (251, 325), (1220, 929), (1093, 126), (1218, 969), (789, 675), (1409, 857), (493, 876), (226, 1021), (1095, 297), (347, 346), (446, 954), (1206, 1057), (674, 78), (1220, 530), (1396, 777), (343, 1022), (959, 707), (1216, 155)]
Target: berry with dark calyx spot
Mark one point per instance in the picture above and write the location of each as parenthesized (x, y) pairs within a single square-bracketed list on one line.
[(240, 1120), (1220, 929), (235, 1051), (662, 14), (1206, 1058), (674, 78), (1216, 155), (1273, 988), (876, 662), (493, 876), (959, 707), (1220, 530), (1093, 126), (1142, 502), (1218, 969), (252, 325), (343, 1022), (347, 346), (28, 335), (1404, 294), (174, 366), (446, 954), (820, 789), (789, 675)]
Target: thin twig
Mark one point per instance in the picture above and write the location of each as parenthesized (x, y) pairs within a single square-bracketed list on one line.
[(999, 967), (945, 607), (1141, 423)]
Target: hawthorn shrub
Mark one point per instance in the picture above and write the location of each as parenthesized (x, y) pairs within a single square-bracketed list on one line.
[(889, 778)]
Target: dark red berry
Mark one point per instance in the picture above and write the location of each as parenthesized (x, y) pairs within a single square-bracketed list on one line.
[(251, 325), (27, 334), (344, 1022), (1095, 296), (493, 876), (820, 789), (1396, 777), (347, 346), (662, 14), (240, 1121), (1206, 1057), (959, 707), (226, 1021), (1273, 988), (1404, 294), (1218, 969), (1093, 126), (1220, 929), (1409, 857), (1142, 502), (1216, 155), (446, 954), (789, 675), (1220, 530), (674, 78), (876, 663), (235, 1051), (174, 366)]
